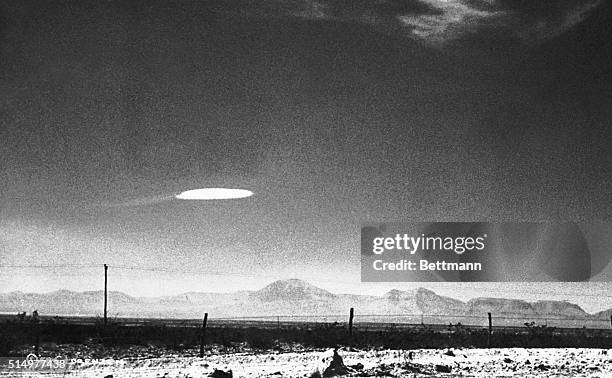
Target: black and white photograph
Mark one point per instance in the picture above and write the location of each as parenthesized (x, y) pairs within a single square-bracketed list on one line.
[(305, 188)]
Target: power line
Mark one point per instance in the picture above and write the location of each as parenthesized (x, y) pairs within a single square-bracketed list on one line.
[(54, 266), (163, 270)]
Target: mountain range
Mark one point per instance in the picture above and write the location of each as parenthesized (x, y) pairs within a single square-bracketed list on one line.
[(288, 298)]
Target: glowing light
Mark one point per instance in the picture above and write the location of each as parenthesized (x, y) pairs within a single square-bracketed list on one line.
[(214, 194)]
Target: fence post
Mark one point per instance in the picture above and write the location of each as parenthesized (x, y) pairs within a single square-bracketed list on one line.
[(203, 335), (351, 315), (105, 293), (490, 330), (611, 320), (37, 330)]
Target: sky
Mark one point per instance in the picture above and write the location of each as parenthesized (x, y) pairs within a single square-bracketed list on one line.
[(331, 112)]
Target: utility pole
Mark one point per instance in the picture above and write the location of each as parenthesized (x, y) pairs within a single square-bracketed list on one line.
[(105, 292)]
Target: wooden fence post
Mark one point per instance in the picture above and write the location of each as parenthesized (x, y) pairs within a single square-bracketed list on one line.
[(490, 330), (37, 330), (203, 335), (351, 315), (105, 293)]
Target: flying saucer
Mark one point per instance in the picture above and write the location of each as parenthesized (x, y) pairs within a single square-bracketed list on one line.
[(213, 194)]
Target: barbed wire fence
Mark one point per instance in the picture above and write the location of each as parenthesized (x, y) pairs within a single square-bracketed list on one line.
[(487, 321)]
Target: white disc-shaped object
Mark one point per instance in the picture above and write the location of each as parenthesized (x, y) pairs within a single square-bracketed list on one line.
[(214, 194)]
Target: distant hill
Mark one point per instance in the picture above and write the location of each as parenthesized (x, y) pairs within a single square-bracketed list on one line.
[(558, 308), (291, 291), (604, 315), (286, 297), (505, 307)]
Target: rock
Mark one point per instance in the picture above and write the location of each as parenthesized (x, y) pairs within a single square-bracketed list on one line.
[(108, 376), (381, 371), (508, 360), (336, 366), (358, 366), (450, 353), (413, 368), (221, 374), (527, 362), (443, 369)]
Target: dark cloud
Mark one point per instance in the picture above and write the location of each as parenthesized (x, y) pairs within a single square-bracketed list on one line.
[(118, 104), (537, 21), (438, 22)]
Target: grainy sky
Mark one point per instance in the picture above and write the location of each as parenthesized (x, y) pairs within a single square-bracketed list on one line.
[(331, 112)]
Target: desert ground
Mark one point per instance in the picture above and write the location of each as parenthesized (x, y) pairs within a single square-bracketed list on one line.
[(500, 362)]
